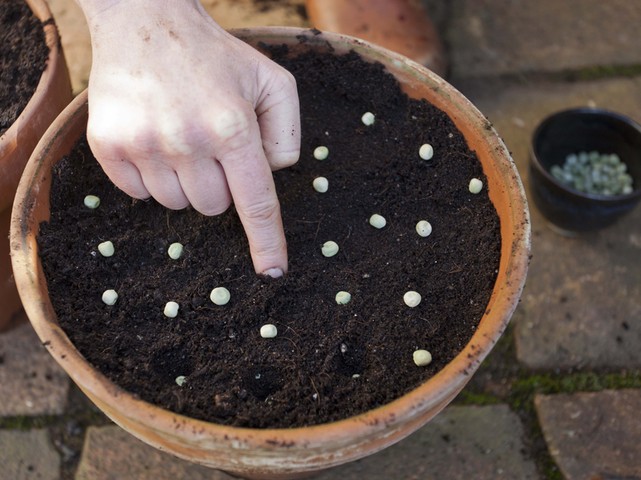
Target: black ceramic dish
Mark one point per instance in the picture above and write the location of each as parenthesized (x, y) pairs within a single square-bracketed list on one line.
[(582, 130)]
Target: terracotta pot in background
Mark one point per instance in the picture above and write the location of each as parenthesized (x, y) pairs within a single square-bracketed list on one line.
[(52, 94), (402, 26), (283, 453)]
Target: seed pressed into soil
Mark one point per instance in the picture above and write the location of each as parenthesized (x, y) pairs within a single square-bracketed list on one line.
[(329, 360)]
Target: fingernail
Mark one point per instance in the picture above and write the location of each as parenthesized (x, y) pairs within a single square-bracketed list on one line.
[(273, 272)]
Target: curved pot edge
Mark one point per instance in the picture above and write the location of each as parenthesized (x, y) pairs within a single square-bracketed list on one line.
[(52, 94)]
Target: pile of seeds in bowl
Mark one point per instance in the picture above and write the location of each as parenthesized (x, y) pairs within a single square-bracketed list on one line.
[(595, 173)]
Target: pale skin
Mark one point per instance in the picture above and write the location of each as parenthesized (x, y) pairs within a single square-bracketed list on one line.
[(183, 112)]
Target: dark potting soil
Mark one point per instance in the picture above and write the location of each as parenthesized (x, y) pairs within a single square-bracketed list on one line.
[(23, 58), (328, 361)]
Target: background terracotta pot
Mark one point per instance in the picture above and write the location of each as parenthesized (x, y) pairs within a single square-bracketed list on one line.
[(16, 145), (284, 453)]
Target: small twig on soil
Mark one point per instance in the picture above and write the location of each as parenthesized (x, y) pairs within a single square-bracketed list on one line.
[(315, 389)]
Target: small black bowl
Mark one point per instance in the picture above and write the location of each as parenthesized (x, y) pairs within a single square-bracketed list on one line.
[(582, 130)]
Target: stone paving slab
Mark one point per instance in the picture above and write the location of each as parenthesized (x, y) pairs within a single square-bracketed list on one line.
[(593, 435), (581, 305), (460, 443), (483, 443), (496, 37), (28, 456), (110, 453), (31, 382)]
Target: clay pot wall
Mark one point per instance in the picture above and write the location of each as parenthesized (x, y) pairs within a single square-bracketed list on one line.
[(16, 145)]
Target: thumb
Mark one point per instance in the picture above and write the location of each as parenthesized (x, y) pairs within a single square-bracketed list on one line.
[(278, 116)]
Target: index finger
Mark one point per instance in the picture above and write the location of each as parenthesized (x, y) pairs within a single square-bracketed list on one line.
[(251, 184)]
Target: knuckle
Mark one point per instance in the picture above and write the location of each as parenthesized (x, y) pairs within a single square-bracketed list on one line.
[(231, 128), (270, 249), (282, 159), (262, 213), (174, 203), (214, 208)]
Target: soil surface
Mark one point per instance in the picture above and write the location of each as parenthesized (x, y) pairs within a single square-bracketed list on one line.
[(23, 58), (328, 361)]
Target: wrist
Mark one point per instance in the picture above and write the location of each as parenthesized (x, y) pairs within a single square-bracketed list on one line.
[(93, 8), (99, 12)]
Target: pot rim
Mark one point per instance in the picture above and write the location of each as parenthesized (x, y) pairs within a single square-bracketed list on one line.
[(436, 391), (41, 10), (535, 161), (31, 118)]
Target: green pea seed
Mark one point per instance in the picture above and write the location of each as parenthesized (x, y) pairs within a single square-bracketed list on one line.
[(220, 296), (426, 152), (424, 228), (343, 298), (475, 186), (171, 309), (368, 118), (412, 298), (377, 221), (320, 184), (268, 330), (422, 358), (106, 249), (110, 297), (91, 201), (175, 250), (321, 153), (329, 249)]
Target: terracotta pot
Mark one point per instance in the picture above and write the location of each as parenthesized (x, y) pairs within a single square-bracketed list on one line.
[(403, 26), (284, 453), (52, 94)]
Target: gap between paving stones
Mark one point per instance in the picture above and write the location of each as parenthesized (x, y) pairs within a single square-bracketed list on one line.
[(500, 380)]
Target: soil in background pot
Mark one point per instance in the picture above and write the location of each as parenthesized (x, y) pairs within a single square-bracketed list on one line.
[(23, 58), (328, 361)]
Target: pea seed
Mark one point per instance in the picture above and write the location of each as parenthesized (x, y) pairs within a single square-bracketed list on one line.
[(181, 380), (412, 298), (422, 358), (320, 184), (377, 221), (368, 118), (110, 297), (91, 201), (475, 186), (175, 250), (343, 298), (171, 309), (424, 228), (220, 296), (321, 153), (329, 248), (106, 249), (426, 152), (268, 330)]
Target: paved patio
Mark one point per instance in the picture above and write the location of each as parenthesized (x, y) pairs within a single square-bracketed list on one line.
[(559, 395)]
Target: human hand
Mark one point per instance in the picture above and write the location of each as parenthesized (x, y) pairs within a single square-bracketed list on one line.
[(182, 111)]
